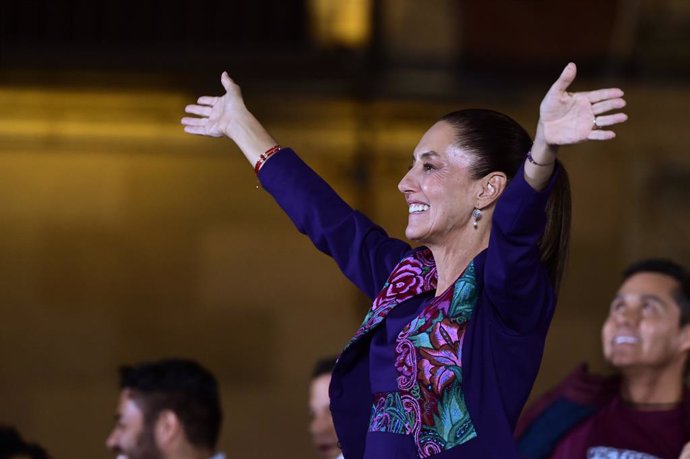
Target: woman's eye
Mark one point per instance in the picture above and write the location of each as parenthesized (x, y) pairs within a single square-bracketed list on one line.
[(428, 167)]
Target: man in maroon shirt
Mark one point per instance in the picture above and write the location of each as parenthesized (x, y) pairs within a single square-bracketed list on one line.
[(644, 411)]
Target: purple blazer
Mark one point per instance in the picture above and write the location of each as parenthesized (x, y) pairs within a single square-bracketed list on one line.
[(512, 303)]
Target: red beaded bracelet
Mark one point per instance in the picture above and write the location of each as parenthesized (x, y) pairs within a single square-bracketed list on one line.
[(264, 157)]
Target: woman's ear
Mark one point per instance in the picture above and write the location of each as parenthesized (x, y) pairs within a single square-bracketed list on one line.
[(493, 186)]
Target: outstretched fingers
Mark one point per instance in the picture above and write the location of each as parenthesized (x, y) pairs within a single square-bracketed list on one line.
[(207, 100), (197, 130), (607, 105), (604, 121), (610, 120), (603, 101), (226, 81), (230, 86), (189, 121), (213, 113), (200, 110), (572, 117), (565, 79), (603, 94), (598, 134)]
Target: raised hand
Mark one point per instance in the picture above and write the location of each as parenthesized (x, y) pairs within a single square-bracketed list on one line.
[(228, 116), (572, 117), (216, 114)]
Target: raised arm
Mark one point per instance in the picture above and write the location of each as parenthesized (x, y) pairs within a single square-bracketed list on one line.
[(520, 275), (567, 118), (228, 116), (362, 250)]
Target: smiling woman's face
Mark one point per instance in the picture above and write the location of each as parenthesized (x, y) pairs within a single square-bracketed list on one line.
[(438, 188)]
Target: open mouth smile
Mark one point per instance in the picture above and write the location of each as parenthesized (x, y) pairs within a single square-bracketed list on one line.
[(417, 208), (625, 340)]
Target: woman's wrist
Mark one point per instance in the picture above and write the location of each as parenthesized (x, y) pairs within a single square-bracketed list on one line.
[(540, 161), (265, 156), (250, 136), (531, 159), (542, 152)]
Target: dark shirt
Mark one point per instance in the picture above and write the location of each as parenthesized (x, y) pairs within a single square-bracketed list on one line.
[(619, 431), (583, 416)]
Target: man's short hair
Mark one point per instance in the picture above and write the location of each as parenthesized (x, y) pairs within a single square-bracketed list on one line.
[(323, 366), (12, 445), (671, 269), (183, 387)]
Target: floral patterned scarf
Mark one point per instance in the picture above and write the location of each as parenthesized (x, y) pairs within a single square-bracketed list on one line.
[(429, 403)]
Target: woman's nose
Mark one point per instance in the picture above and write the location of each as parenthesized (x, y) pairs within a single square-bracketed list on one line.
[(406, 183)]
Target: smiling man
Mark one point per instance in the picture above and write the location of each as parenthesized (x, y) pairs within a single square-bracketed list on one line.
[(644, 411), (168, 409)]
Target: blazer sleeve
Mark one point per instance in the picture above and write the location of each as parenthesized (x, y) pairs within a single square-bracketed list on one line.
[(516, 281), (363, 251)]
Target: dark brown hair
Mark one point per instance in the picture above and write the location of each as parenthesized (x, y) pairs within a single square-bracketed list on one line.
[(500, 144), (182, 386)]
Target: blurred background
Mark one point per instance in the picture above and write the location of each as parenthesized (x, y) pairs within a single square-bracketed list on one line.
[(123, 239)]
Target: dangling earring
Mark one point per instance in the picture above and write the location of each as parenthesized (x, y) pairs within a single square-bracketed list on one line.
[(476, 216)]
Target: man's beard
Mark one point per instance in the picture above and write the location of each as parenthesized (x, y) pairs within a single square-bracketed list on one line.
[(146, 447)]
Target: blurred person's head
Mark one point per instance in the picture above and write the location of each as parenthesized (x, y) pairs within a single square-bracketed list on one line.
[(321, 427), (648, 326), (12, 446), (167, 409)]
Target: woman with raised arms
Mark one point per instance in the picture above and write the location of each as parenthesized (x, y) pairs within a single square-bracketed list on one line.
[(446, 356)]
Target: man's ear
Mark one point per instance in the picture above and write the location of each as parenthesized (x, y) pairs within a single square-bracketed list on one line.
[(492, 186), (685, 338), (168, 428)]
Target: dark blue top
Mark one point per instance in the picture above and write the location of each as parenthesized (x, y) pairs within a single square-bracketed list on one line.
[(504, 341), (382, 354)]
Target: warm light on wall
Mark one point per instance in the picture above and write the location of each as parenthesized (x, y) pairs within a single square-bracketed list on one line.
[(65, 116), (340, 22)]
